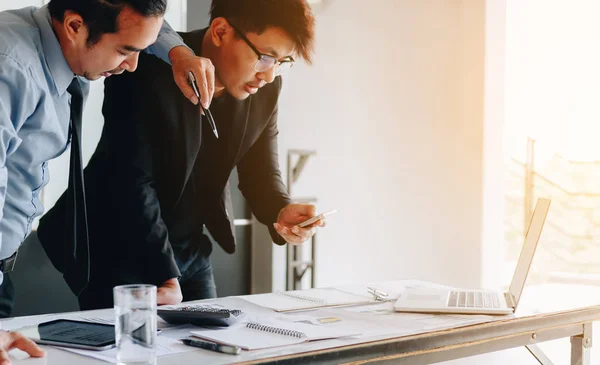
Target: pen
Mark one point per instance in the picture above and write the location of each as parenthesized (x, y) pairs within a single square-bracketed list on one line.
[(378, 294), (226, 349), (211, 121)]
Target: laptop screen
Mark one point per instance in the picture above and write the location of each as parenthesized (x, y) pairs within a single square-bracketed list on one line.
[(531, 240)]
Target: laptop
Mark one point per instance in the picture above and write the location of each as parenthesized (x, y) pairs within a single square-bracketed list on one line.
[(440, 300)]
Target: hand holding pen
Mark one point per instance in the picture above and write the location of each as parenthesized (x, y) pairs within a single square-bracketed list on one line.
[(206, 112), (184, 61)]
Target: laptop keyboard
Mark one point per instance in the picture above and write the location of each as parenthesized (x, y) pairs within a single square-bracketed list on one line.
[(473, 299)]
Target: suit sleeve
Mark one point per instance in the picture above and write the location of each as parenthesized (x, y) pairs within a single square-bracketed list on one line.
[(133, 123), (166, 41), (260, 177)]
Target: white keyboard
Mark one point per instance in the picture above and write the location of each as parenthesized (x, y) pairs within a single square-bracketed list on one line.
[(473, 299)]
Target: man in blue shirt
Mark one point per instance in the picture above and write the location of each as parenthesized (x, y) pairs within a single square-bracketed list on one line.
[(42, 50)]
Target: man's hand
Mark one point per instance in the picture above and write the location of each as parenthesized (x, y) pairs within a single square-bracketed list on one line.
[(12, 340), (183, 62), (290, 216), (168, 293)]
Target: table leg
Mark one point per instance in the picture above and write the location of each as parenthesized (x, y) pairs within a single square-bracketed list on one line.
[(539, 355), (581, 346)]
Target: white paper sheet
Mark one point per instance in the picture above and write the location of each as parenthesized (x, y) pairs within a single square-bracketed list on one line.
[(308, 299), (379, 320), (164, 346)]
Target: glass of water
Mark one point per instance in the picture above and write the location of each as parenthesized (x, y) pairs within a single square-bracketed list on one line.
[(135, 324)]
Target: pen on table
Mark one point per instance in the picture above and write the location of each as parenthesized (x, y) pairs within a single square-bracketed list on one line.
[(211, 121), (226, 349), (378, 294)]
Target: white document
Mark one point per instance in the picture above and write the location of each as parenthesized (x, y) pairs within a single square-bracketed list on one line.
[(269, 333), (103, 318), (164, 346), (393, 289), (379, 320), (283, 301), (13, 324)]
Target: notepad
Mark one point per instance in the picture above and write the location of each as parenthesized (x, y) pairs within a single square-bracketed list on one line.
[(283, 301), (264, 334)]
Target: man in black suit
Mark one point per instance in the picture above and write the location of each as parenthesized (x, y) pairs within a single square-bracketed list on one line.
[(159, 175)]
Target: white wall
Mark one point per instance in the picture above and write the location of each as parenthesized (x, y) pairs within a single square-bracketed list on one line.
[(493, 243), (394, 107), (16, 4)]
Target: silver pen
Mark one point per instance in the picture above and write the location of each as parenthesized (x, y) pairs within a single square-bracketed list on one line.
[(225, 349), (378, 294), (211, 121)]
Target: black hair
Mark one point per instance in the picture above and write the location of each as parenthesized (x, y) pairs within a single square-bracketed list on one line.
[(100, 16), (293, 16)]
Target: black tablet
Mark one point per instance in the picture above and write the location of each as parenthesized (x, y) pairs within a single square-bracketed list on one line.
[(68, 333)]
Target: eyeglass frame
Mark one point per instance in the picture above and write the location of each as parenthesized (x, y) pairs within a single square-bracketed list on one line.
[(261, 56)]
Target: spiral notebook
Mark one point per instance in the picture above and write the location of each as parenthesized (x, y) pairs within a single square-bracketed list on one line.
[(200, 315), (263, 334), (284, 301)]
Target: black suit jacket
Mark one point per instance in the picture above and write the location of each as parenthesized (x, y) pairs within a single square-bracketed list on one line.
[(134, 180)]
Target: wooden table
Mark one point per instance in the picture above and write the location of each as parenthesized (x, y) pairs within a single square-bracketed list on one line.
[(425, 348)]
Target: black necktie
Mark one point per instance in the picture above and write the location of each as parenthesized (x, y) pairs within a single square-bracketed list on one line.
[(77, 260)]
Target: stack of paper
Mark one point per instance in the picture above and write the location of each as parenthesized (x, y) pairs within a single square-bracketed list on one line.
[(283, 301)]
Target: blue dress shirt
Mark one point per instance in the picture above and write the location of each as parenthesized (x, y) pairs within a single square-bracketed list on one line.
[(35, 114)]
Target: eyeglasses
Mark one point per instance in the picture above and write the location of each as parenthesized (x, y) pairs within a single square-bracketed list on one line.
[(266, 62)]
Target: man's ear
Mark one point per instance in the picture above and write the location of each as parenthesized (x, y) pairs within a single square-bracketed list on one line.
[(219, 28), (74, 26)]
